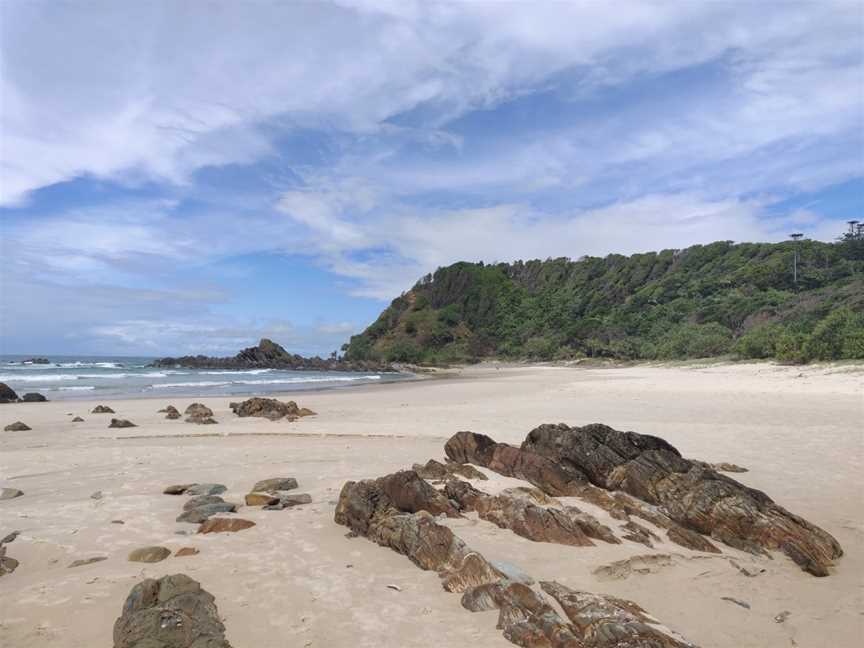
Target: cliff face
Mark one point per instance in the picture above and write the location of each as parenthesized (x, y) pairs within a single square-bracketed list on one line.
[(269, 355), (706, 300)]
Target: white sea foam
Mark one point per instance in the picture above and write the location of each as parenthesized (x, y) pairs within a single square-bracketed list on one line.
[(276, 381), (190, 384), (78, 388)]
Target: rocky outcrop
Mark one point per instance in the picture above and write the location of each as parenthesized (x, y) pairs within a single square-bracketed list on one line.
[(270, 408), (17, 426), (102, 409), (172, 612), (34, 397), (121, 423), (7, 394), (697, 498), (479, 449), (437, 471), (269, 355)]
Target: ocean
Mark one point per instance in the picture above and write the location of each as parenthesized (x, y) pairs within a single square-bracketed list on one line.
[(82, 377)]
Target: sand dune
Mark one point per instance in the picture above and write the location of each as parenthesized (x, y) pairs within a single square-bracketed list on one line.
[(295, 579)]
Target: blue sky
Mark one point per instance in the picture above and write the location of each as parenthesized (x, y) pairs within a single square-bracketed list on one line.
[(180, 178)]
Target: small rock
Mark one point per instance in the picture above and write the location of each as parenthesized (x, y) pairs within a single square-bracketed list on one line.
[(178, 489), (186, 551), (202, 500), (198, 409), (225, 525), (203, 513), (149, 554), (121, 423), (102, 409), (394, 587), (305, 411), (34, 397), (261, 499), (780, 618), (77, 419), (97, 495), (17, 426), (87, 561), (206, 489), (10, 538), (117, 522), (295, 499), (275, 484), (10, 493), (172, 415), (168, 410), (743, 604), (7, 563)]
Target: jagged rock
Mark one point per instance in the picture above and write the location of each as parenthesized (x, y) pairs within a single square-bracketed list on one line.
[(178, 489), (102, 409), (268, 408), (149, 554), (202, 513), (186, 551), (87, 561), (77, 419), (7, 563), (7, 394), (225, 525), (690, 539), (275, 484), (608, 622), (17, 426), (205, 489), (10, 493), (34, 397), (479, 449), (198, 410), (698, 499), (202, 500), (435, 470), (121, 423), (172, 612)]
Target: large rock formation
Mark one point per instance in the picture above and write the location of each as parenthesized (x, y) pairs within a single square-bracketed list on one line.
[(7, 394), (695, 496), (172, 612), (269, 355), (270, 408)]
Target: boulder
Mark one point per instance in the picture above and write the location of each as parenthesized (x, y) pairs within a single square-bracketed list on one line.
[(268, 408), (17, 426), (205, 512), (149, 554), (275, 484), (261, 499), (10, 493), (102, 409), (202, 500), (288, 500), (121, 423), (7, 394), (697, 498), (198, 410), (225, 525), (205, 489), (172, 612), (7, 563), (34, 397), (171, 416), (177, 489)]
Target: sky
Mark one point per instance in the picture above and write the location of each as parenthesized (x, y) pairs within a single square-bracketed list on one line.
[(189, 177)]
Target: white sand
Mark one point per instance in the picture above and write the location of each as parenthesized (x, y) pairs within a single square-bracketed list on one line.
[(295, 580)]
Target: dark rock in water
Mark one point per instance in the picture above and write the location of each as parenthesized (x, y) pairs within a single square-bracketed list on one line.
[(225, 525), (149, 554), (7, 563), (77, 419), (87, 561), (268, 408), (205, 512), (451, 470), (17, 426), (178, 489), (10, 493), (102, 409), (39, 361), (269, 355), (34, 397), (205, 489), (202, 500), (172, 612), (697, 498), (121, 423), (7, 394), (275, 484)]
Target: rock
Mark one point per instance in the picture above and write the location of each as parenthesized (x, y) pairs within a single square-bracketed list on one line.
[(438, 471), (640, 565), (261, 499), (289, 500), (39, 361), (178, 489), (728, 467), (34, 397), (275, 484), (170, 412), (638, 533), (205, 512), (225, 525), (10, 537), (737, 602), (7, 563), (121, 423), (87, 561), (172, 612), (117, 522), (305, 411), (7, 394), (268, 408), (10, 493), (17, 426), (172, 416), (205, 489), (77, 419), (149, 554), (512, 572), (781, 618), (202, 500), (479, 449), (186, 551), (699, 499), (198, 410), (102, 409), (96, 496), (690, 539)]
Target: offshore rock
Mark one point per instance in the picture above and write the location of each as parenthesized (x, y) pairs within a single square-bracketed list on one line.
[(17, 426), (172, 612)]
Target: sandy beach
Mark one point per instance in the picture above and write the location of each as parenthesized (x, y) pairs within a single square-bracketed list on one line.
[(296, 580)]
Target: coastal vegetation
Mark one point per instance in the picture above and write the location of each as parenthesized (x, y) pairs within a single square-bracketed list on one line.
[(750, 300)]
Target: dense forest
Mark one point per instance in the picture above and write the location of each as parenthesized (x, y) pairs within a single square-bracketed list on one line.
[(706, 300)]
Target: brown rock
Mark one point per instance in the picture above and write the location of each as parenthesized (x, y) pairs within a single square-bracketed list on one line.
[(275, 484), (149, 554), (261, 499), (202, 500), (102, 409), (172, 612), (17, 426), (186, 551), (225, 525), (177, 489), (198, 410), (268, 408), (7, 563)]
